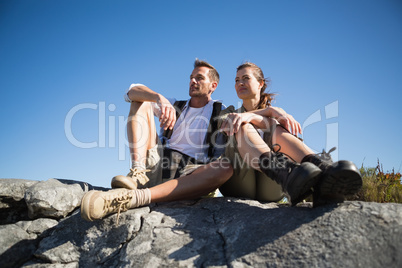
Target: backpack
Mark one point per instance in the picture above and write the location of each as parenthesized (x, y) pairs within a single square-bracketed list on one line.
[(212, 127)]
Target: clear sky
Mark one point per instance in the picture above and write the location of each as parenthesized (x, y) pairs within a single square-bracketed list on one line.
[(65, 65)]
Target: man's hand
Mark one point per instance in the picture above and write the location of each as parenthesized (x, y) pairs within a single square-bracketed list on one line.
[(167, 117)]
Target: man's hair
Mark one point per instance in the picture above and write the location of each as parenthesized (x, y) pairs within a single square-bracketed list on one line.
[(213, 73)]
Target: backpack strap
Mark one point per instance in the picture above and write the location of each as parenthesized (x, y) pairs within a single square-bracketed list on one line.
[(213, 127), (179, 106)]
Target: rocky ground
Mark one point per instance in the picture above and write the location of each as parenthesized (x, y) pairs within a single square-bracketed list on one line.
[(41, 227)]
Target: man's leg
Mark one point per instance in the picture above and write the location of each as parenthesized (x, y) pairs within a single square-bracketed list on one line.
[(141, 131), (201, 182), (141, 134), (97, 204)]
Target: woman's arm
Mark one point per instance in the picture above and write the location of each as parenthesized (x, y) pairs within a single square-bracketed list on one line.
[(260, 119), (285, 119)]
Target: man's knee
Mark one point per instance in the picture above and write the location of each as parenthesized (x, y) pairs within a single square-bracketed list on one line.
[(140, 108)]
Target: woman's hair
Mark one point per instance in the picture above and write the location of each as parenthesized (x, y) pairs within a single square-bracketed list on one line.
[(265, 98)]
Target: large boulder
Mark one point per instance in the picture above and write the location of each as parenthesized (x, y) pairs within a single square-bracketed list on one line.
[(52, 198), (216, 232)]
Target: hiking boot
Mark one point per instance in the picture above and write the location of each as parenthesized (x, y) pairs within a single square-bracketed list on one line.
[(134, 177), (97, 204), (296, 180), (338, 179)]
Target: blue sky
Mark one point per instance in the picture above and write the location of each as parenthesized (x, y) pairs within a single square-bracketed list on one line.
[(336, 66)]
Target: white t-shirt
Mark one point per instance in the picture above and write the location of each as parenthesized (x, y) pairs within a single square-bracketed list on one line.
[(190, 129)]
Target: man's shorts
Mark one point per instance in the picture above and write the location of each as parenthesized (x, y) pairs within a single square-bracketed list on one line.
[(166, 164)]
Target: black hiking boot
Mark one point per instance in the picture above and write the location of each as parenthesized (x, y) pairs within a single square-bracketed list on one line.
[(337, 180), (296, 180)]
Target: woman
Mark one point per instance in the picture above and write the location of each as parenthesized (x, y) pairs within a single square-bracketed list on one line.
[(248, 149)]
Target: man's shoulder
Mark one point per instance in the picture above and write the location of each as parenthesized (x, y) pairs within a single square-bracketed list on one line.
[(179, 104), (218, 104)]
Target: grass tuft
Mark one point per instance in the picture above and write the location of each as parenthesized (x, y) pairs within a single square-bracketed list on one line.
[(379, 186)]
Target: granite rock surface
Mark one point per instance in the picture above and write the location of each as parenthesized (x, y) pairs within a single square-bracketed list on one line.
[(41, 227)]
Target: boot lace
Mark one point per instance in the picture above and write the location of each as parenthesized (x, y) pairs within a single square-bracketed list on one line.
[(139, 174), (119, 203), (326, 156), (280, 156)]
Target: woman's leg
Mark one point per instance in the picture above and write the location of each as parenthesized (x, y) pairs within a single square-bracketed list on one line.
[(242, 183), (296, 180), (267, 190), (337, 179), (250, 145), (289, 144)]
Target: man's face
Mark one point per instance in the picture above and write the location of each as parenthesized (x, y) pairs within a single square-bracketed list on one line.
[(200, 84)]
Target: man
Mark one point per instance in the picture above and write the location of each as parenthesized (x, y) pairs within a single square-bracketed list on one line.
[(186, 141), (185, 168)]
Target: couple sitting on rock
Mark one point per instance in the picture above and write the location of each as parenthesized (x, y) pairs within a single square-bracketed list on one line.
[(252, 152)]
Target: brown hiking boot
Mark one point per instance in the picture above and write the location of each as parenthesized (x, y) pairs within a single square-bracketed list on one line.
[(134, 177), (97, 204)]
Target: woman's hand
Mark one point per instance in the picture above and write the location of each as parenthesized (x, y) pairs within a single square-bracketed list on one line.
[(285, 119), (167, 117), (233, 121)]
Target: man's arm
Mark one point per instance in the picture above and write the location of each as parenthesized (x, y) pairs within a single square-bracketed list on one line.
[(142, 93)]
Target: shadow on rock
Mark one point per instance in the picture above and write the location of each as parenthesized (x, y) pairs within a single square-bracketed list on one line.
[(215, 232)]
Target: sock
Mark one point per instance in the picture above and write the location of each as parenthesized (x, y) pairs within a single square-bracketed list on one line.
[(142, 197), (139, 165)]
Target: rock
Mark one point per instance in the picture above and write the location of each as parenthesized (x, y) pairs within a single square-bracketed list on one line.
[(14, 188), (53, 199), (12, 203), (36, 227), (217, 232), (16, 246)]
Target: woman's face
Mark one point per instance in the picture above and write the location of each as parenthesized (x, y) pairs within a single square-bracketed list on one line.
[(247, 86)]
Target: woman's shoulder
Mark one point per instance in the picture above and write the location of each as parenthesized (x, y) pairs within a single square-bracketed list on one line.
[(232, 109)]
